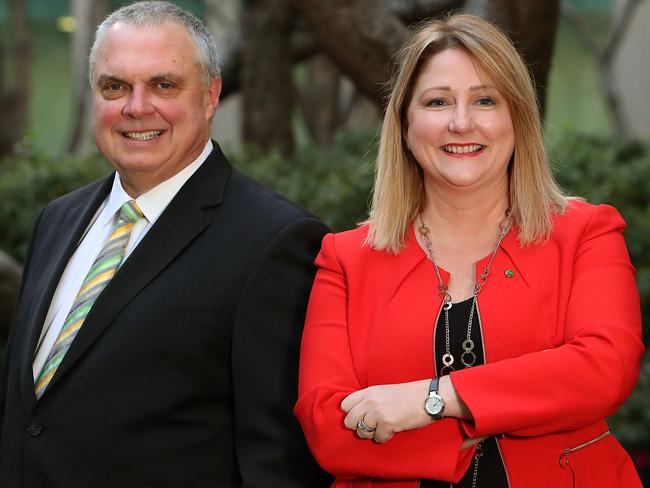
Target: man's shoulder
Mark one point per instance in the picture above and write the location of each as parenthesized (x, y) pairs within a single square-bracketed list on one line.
[(256, 201)]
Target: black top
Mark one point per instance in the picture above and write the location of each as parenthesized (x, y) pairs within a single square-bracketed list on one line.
[(491, 472)]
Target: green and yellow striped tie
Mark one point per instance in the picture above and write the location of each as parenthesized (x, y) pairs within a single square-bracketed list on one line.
[(101, 272)]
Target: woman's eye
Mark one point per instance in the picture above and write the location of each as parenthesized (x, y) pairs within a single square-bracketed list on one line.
[(485, 101), (437, 102)]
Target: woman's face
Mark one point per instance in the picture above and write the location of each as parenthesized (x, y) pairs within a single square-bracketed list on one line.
[(459, 125)]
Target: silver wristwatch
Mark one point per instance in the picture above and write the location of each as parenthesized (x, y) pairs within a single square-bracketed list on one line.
[(434, 405)]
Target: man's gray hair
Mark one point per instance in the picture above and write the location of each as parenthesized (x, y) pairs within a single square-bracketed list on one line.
[(157, 13)]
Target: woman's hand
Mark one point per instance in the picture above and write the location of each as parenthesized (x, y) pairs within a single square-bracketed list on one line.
[(387, 409)]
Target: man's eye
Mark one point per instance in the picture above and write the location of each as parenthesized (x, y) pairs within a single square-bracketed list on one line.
[(165, 85), (112, 90)]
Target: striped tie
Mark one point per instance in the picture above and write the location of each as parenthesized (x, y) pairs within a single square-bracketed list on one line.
[(101, 272)]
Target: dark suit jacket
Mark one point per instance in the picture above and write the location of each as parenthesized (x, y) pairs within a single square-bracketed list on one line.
[(184, 373)]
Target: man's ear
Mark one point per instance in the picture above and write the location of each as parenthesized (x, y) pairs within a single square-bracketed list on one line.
[(213, 92)]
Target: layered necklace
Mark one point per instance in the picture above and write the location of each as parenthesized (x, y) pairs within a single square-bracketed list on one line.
[(468, 357)]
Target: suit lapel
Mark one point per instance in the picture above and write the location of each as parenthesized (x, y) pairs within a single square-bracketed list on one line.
[(189, 213), (63, 239)]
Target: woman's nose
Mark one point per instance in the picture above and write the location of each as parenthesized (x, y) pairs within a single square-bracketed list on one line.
[(460, 120)]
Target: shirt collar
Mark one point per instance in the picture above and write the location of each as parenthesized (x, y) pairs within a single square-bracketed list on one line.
[(153, 202), (115, 200)]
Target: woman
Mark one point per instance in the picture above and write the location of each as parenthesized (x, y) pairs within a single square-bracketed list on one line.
[(477, 330)]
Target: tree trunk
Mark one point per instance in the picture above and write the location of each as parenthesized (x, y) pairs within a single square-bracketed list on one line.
[(223, 19), (319, 100), (5, 136), (603, 58), (498, 11), (360, 37), (13, 101), (304, 42), (413, 11), (532, 27), (21, 63), (267, 75), (10, 274), (89, 13)]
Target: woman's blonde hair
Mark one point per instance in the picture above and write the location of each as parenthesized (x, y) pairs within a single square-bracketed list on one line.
[(398, 190)]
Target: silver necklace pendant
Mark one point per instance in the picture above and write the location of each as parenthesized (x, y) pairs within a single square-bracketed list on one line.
[(468, 358), (446, 370), (448, 360)]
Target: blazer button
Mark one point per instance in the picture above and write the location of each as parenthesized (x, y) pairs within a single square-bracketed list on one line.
[(35, 429)]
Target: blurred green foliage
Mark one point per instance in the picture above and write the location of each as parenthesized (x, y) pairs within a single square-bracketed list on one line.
[(332, 183), (29, 179), (574, 71), (335, 184)]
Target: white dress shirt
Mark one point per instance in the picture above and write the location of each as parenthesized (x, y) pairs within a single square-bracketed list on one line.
[(152, 204)]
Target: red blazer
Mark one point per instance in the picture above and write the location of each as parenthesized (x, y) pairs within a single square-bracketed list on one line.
[(562, 341)]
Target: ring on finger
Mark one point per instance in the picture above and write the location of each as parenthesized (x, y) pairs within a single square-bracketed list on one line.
[(361, 425)]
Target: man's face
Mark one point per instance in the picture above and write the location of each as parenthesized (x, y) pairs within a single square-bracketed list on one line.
[(151, 108)]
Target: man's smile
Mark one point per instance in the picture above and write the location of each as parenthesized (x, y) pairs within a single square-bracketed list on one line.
[(143, 135)]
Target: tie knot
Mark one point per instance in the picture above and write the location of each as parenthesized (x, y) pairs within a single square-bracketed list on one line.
[(130, 212)]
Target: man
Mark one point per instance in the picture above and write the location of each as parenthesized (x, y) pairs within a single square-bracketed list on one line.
[(156, 338)]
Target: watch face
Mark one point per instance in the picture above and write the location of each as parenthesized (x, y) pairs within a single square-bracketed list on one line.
[(434, 405)]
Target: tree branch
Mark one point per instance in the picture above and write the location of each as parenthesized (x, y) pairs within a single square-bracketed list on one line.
[(493, 10), (360, 37), (13, 104), (603, 57), (620, 29), (304, 43), (582, 30), (410, 11)]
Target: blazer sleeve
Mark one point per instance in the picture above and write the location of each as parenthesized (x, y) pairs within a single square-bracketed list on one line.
[(327, 376), (270, 446), (588, 376)]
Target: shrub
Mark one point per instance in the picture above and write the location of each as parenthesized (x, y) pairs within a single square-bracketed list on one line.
[(28, 180), (333, 184)]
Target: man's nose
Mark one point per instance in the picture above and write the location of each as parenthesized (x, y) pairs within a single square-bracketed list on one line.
[(461, 120), (138, 104)]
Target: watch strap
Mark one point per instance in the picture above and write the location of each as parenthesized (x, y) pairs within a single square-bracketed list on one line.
[(433, 386)]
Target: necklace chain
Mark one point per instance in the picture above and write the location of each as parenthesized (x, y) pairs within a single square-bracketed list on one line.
[(468, 357)]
